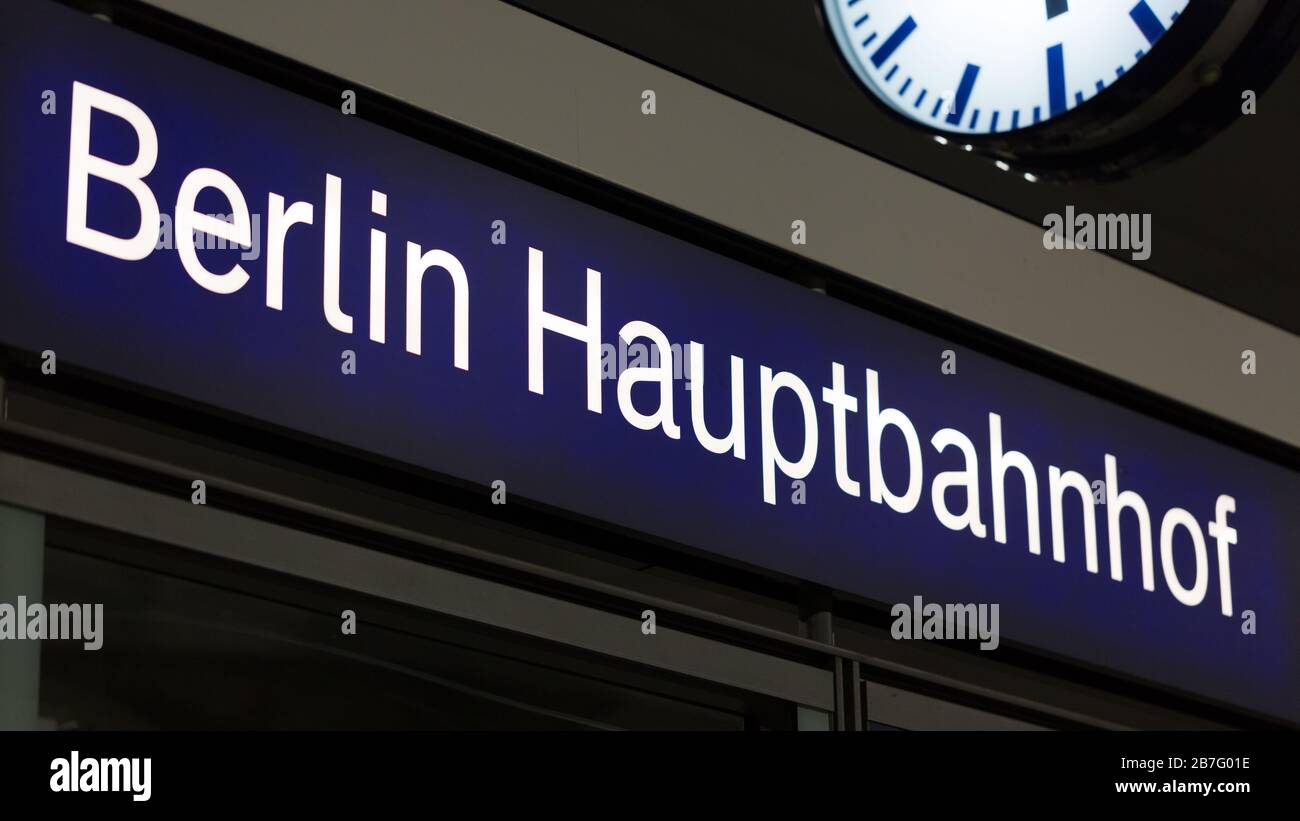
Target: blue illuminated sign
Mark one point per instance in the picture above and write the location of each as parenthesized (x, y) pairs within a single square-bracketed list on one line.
[(376, 291)]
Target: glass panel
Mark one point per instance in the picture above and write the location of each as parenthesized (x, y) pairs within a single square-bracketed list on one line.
[(205, 654)]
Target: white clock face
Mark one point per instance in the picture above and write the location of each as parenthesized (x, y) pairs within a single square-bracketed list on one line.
[(988, 66)]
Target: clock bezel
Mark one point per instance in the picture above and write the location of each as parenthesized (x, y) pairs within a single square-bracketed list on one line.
[(1182, 40), (1084, 141)]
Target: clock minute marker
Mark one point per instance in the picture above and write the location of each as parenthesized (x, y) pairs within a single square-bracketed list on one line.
[(1056, 79), (1146, 20), (1055, 7), (963, 94), (893, 41)]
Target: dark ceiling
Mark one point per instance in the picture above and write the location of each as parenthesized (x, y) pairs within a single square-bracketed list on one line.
[(1225, 220)]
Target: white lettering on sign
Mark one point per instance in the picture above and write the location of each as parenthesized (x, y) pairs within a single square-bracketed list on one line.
[(898, 486)]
